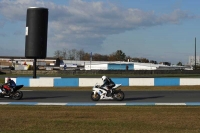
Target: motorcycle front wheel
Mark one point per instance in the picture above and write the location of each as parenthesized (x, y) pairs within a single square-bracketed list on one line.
[(1, 95), (17, 95), (95, 97), (119, 96)]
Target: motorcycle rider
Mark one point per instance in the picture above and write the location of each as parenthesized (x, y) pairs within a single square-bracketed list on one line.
[(11, 84), (108, 83)]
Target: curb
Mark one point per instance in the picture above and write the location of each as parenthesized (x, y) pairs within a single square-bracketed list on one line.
[(102, 104)]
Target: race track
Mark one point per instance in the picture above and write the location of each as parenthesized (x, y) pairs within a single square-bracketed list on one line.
[(131, 97)]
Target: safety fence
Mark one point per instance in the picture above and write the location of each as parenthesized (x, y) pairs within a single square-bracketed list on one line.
[(87, 82)]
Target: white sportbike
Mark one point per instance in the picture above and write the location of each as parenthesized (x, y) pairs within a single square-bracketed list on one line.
[(101, 93)]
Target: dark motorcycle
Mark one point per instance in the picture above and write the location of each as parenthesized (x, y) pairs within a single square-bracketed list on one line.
[(15, 94)]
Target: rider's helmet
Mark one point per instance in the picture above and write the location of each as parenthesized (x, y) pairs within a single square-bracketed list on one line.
[(8, 79), (103, 77)]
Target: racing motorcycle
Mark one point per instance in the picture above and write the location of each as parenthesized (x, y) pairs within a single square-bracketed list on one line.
[(100, 93), (15, 94)]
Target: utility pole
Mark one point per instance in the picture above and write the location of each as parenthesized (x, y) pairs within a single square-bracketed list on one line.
[(90, 59), (195, 67)]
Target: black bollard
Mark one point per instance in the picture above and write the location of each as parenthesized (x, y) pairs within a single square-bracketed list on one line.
[(36, 34)]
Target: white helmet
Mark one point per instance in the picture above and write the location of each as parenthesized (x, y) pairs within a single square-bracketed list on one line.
[(103, 78)]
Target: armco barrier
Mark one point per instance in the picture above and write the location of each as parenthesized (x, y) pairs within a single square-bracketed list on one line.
[(88, 82)]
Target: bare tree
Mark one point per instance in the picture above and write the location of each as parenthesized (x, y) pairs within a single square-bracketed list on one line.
[(58, 54), (117, 56), (86, 57), (144, 60), (64, 53), (72, 54), (179, 64), (80, 54)]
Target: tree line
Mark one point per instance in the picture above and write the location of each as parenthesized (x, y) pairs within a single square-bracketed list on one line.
[(119, 55)]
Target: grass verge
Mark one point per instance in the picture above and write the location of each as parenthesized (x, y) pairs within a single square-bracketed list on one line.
[(95, 119)]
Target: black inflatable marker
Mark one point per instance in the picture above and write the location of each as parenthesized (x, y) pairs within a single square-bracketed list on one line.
[(36, 34)]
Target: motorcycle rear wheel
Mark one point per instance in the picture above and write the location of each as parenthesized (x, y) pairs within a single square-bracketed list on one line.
[(17, 95), (119, 96), (95, 97)]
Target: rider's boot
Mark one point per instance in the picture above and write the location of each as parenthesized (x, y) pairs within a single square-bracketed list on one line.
[(108, 93), (3, 92)]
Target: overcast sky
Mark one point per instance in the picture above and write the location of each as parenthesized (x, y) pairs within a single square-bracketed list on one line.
[(161, 30)]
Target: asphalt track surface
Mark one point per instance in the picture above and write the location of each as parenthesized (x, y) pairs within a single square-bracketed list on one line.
[(130, 97)]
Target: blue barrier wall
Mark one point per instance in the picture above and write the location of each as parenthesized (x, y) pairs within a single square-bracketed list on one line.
[(74, 82), (23, 81), (166, 81), (123, 81)]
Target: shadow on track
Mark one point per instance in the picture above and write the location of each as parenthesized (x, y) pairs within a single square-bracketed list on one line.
[(141, 98), (33, 98)]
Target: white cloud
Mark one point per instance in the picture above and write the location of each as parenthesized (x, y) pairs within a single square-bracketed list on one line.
[(87, 24)]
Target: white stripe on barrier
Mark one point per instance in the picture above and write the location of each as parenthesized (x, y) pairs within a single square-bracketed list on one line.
[(189, 81), (86, 82), (4, 103), (42, 82), (111, 104), (170, 103), (51, 104), (141, 81)]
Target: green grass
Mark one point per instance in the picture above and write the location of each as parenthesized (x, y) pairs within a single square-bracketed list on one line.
[(96, 119)]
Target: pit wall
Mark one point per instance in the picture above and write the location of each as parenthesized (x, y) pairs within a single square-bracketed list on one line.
[(88, 82)]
